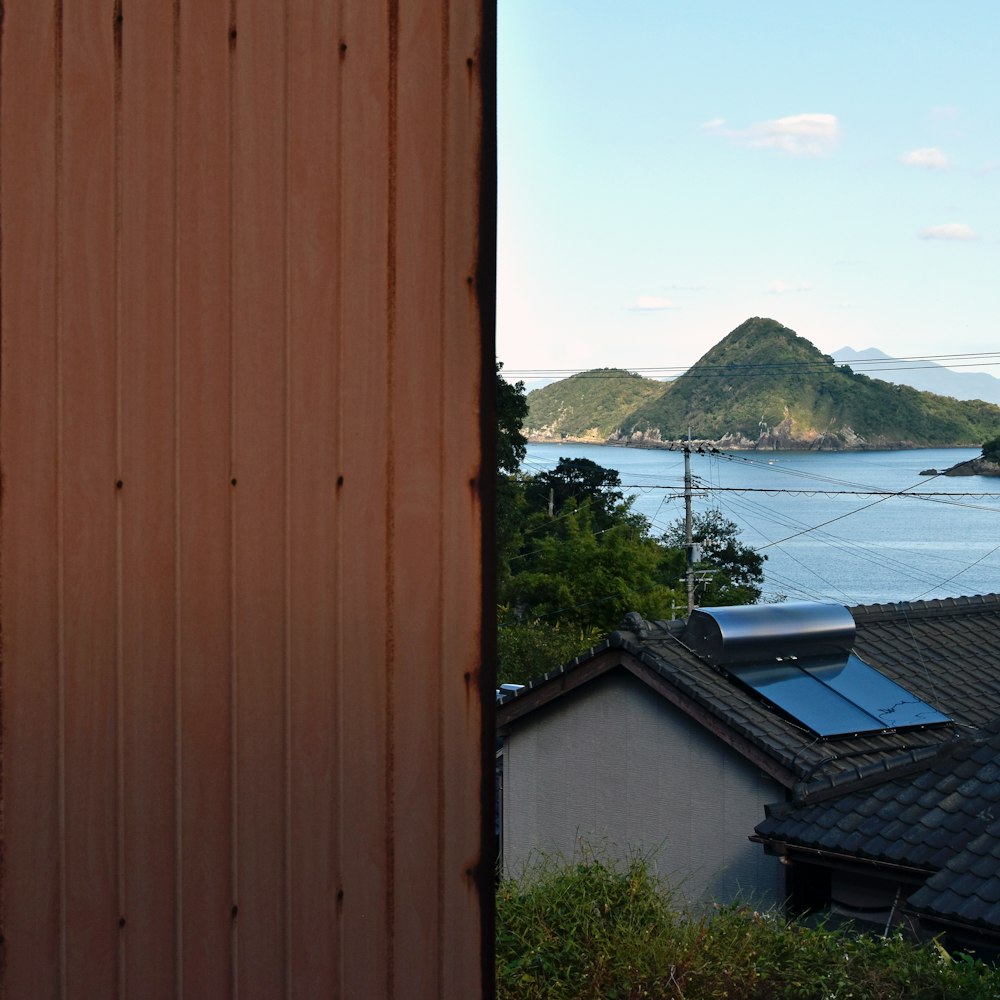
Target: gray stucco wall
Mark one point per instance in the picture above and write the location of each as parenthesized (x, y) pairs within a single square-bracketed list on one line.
[(614, 766)]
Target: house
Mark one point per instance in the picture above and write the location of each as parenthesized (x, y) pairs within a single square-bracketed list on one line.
[(917, 845), (670, 738)]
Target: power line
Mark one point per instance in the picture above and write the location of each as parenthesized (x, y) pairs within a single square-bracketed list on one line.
[(777, 491), (859, 365)]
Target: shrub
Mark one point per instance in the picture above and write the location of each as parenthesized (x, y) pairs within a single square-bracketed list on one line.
[(591, 928)]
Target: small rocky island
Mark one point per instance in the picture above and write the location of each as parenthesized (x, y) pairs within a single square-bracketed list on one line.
[(987, 464), (974, 467)]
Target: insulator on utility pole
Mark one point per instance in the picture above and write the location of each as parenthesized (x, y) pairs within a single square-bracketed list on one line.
[(688, 524)]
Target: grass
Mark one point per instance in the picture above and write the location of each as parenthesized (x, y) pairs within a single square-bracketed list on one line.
[(595, 929)]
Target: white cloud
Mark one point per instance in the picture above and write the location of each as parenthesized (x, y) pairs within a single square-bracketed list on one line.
[(930, 157), (812, 135), (780, 287), (949, 231), (650, 303)]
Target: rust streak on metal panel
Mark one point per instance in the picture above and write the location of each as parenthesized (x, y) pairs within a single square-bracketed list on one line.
[(469, 363), (485, 249)]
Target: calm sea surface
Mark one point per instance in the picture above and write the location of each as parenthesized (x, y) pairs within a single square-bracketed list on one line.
[(820, 519)]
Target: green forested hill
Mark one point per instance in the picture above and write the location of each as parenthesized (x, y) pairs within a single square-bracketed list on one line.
[(764, 386), (590, 406)]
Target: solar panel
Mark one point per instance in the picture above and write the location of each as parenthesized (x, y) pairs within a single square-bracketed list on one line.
[(837, 695)]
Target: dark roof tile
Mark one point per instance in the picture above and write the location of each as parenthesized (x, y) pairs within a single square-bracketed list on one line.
[(951, 827)]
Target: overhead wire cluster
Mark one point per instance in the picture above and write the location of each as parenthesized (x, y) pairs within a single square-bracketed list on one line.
[(863, 366), (741, 505)]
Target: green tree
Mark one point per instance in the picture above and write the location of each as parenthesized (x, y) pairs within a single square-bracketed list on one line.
[(588, 578), (991, 450), (731, 572), (575, 480), (512, 408)]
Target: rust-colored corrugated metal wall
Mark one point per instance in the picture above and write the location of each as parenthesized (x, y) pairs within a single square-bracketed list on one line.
[(246, 333)]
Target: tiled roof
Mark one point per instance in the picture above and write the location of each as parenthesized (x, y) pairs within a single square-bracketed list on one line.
[(940, 816), (945, 652), (967, 889)]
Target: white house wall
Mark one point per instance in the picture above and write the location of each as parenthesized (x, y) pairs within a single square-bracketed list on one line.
[(614, 767)]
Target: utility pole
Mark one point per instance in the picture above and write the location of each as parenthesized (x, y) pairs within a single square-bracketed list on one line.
[(688, 540)]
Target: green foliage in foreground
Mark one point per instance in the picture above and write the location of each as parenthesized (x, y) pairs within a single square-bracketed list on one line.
[(991, 450), (529, 649), (592, 929)]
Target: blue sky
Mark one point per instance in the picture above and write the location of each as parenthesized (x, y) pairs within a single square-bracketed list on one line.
[(669, 169)]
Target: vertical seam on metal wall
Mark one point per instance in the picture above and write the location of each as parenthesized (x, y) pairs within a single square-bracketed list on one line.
[(60, 513), (444, 679), (178, 623), (390, 476), (233, 664), (287, 664), (119, 509), (338, 650)]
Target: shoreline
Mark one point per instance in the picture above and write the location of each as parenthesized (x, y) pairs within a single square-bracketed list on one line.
[(723, 445)]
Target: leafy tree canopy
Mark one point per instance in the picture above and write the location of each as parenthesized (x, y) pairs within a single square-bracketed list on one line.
[(590, 578), (731, 572), (512, 408), (575, 481)]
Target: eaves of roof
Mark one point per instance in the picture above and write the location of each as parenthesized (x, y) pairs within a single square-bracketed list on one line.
[(902, 640), (940, 815)]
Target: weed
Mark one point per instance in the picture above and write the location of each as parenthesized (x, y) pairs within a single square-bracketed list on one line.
[(590, 928)]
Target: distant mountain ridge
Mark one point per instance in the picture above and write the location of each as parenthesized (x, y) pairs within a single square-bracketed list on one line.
[(762, 386), (927, 376)]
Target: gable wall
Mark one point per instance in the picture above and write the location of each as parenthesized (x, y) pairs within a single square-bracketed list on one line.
[(614, 766)]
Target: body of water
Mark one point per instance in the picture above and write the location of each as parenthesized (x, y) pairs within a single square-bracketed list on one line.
[(811, 513)]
